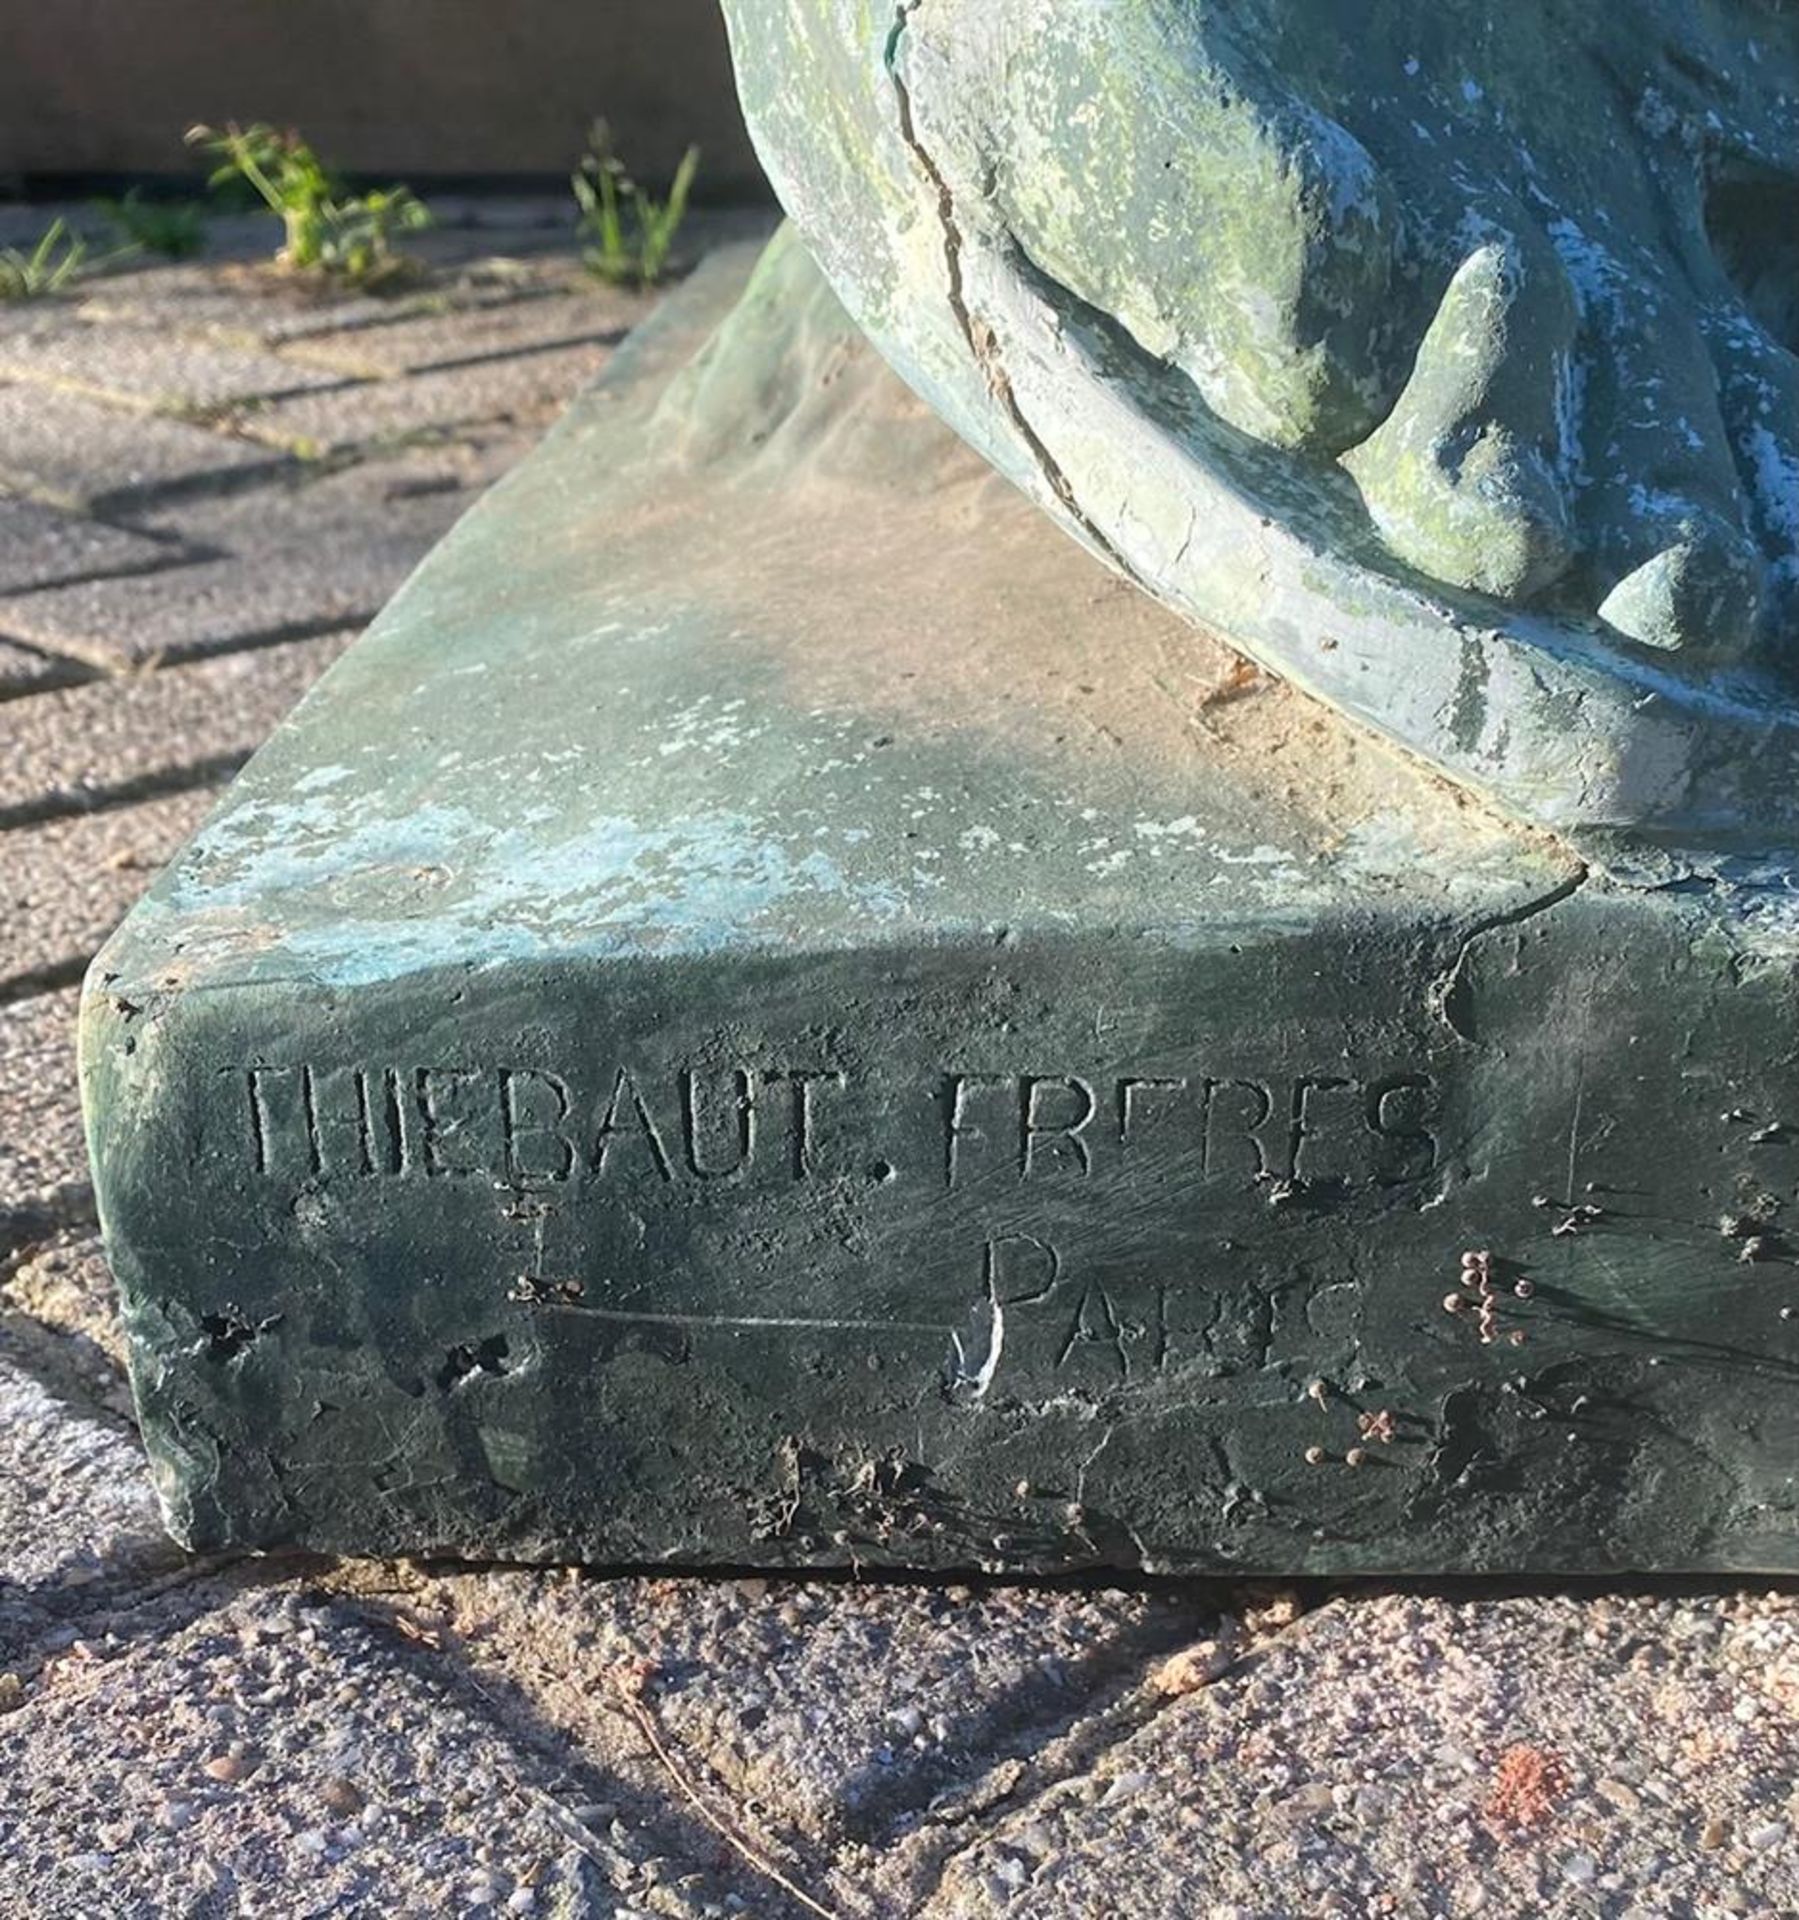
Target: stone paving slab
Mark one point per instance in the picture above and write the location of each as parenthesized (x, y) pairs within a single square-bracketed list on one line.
[(151, 368), (93, 457), (65, 885), (1554, 1754), (113, 739), (829, 1713), (302, 576), (43, 1159), (254, 308), (528, 392), (281, 1757), (235, 307), (585, 314), (64, 1284), (76, 1514), (325, 505), (25, 670), (41, 546)]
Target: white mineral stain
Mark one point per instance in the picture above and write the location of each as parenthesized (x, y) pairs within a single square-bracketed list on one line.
[(1777, 481), (321, 777), (504, 893), (1594, 272)]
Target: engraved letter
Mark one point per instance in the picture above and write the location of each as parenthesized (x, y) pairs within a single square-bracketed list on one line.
[(1058, 1138), (1095, 1323), (1033, 1266), (804, 1114), (1307, 1132), (284, 1126), (1133, 1094), (344, 1119), (259, 1119), (536, 1150), (955, 1112), (1397, 1109), (743, 1106), (1236, 1148), (457, 1121), (627, 1116)]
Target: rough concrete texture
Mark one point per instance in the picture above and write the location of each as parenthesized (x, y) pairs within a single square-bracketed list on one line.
[(1412, 1755), (24, 669), (558, 316), (63, 1282), (282, 1756), (149, 368), (231, 302), (1331, 328), (524, 391), (59, 1317), (74, 1505), (284, 583), (43, 1159), (42, 547), (88, 455), (65, 883), (201, 1747), (112, 739), (953, 1681)]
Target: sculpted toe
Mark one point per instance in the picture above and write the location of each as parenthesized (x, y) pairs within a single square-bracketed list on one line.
[(1465, 478), (1702, 593)]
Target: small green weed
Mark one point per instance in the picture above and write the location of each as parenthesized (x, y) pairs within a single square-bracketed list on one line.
[(629, 233), (327, 230), (58, 260), (175, 229)]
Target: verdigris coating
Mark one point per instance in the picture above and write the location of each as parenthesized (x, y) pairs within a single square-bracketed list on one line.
[(1439, 354), (773, 1012)]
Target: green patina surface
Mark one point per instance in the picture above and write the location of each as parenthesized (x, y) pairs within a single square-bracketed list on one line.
[(757, 1019), (1485, 319)]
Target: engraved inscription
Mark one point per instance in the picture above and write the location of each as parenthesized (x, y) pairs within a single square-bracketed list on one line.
[(717, 1127), (528, 1127), (1310, 1129)]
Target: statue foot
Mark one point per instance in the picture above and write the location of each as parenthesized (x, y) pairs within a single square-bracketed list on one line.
[(1263, 235), (1525, 363)]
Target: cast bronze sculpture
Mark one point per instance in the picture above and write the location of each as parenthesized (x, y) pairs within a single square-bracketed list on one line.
[(775, 1010), (1442, 356)]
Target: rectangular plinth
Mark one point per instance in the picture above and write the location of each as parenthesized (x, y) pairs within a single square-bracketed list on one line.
[(759, 1022)]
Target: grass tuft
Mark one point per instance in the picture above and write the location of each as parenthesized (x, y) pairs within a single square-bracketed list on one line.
[(629, 234), (327, 231)]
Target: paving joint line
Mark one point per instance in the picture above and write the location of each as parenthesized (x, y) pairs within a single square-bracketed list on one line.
[(523, 1720), (63, 673), (53, 977), (32, 1227), (66, 803), (316, 627), (1103, 1723), (215, 483)]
